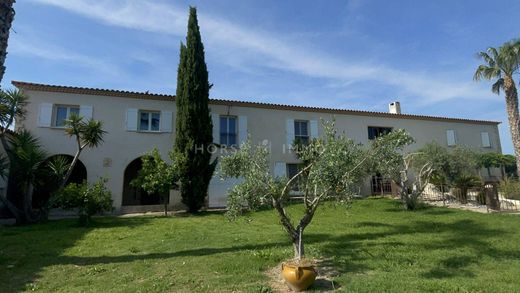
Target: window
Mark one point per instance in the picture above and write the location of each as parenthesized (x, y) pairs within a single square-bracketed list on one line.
[(292, 170), (228, 130), (62, 113), (484, 137), (375, 132), (450, 137), (149, 121), (301, 131)]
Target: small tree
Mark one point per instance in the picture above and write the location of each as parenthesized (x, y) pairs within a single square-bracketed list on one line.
[(452, 168), (27, 168), (86, 133), (410, 174), (87, 199), (334, 168), (157, 176), (194, 129), (12, 107)]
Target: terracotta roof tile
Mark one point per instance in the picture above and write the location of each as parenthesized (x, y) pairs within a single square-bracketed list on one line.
[(152, 96)]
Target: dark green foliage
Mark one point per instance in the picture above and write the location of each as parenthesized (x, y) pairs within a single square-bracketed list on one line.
[(157, 176), (193, 124), (463, 183), (447, 164), (510, 166), (87, 199)]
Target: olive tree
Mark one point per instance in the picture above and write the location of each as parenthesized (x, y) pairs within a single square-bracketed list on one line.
[(334, 168)]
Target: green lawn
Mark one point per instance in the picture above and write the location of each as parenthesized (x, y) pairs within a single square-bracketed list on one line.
[(375, 246)]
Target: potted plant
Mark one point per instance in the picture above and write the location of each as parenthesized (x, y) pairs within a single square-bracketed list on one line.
[(299, 274)]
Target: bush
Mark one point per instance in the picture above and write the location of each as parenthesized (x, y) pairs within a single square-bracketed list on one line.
[(510, 188), (87, 199), (463, 183)]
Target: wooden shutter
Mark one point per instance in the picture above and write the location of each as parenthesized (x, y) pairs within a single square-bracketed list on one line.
[(85, 111), (242, 129), (289, 130), (486, 142), (314, 128), (280, 169), (131, 119), (215, 119), (450, 137), (166, 121), (45, 115)]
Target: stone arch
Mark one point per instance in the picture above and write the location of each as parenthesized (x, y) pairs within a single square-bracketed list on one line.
[(43, 192), (133, 196)]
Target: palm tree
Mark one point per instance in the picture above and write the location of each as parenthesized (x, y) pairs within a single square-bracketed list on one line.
[(27, 166), (87, 134), (12, 107), (500, 66), (6, 19)]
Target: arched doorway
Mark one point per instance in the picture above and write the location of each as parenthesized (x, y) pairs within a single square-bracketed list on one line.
[(133, 196), (42, 191)]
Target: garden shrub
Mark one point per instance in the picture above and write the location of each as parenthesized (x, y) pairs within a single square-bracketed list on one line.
[(510, 188), (87, 199)]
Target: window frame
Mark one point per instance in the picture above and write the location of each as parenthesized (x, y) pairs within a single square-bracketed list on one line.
[(304, 138), (67, 115), (150, 113), (379, 132), (228, 134)]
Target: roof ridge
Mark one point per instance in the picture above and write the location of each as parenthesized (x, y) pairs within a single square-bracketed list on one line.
[(228, 102)]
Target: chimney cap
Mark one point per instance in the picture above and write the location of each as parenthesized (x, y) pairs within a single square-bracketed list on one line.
[(394, 107)]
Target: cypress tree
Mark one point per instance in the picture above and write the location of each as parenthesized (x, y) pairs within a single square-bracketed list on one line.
[(194, 129)]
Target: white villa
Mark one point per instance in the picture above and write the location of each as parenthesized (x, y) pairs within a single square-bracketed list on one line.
[(136, 122)]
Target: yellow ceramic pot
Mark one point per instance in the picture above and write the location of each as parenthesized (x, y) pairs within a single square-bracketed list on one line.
[(298, 276)]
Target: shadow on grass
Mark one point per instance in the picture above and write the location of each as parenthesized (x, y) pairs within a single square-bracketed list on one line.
[(82, 261), (26, 250), (352, 250), (184, 214)]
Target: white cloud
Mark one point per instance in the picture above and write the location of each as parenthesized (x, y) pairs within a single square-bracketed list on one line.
[(265, 49), (41, 49)]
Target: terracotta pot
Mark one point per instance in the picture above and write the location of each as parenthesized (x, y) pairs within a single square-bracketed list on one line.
[(298, 276)]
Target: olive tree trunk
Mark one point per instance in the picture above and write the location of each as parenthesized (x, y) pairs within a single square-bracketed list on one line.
[(513, 117)]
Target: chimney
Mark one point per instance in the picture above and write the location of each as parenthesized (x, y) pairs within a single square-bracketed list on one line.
[(394, 108)]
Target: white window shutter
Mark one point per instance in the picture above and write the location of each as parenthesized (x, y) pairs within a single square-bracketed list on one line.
[(131, 119), (280, 170), (166, 121), (45, 115), (289, 131), (242, 129), (486, 142), (215, 119), (85, 111), (450, 136), (314, 128)]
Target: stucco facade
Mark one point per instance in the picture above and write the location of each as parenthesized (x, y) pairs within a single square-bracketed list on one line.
[(124, 143)]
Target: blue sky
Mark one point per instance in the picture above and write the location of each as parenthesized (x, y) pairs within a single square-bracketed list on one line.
[(357, 54)]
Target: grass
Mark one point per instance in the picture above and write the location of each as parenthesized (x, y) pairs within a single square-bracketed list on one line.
[(375, 245)]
